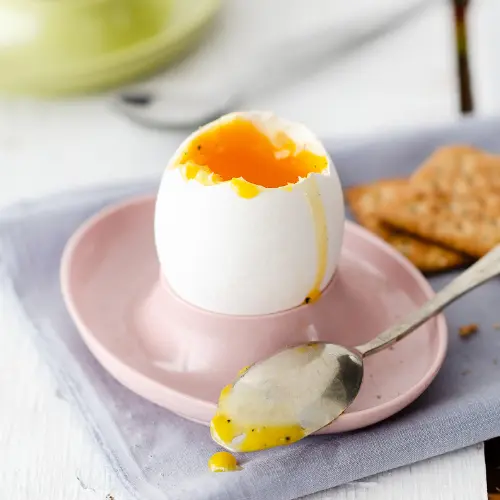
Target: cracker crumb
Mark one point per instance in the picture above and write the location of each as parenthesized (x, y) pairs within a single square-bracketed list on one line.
[(496, 326), (109, 496), (466, 330)]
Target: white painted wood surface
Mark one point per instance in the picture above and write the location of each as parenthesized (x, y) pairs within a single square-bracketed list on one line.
[(403, 80)]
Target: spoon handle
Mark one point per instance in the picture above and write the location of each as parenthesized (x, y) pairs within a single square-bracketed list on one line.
[(483, 270)]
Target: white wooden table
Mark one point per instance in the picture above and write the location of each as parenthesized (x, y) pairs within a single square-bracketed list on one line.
[(404, 80)]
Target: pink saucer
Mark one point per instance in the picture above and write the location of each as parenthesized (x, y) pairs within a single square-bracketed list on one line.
[(109, 278)]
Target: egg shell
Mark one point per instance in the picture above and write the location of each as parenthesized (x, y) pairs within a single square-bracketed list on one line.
[(247, 256)]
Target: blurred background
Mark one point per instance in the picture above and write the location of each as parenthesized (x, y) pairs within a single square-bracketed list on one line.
[(102, 90)]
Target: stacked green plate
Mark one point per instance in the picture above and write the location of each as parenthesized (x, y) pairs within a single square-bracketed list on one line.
[(61, 47)]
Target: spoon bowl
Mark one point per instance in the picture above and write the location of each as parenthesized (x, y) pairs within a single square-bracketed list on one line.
[(312, 384)]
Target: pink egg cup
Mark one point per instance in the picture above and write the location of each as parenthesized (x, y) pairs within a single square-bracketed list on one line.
[(185, 338)]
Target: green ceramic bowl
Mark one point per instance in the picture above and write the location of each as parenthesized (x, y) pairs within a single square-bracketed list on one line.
[(53, 47)]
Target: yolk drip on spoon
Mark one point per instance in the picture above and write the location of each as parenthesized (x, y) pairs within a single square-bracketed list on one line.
[(251, 437), (255, 437), (240, 153)]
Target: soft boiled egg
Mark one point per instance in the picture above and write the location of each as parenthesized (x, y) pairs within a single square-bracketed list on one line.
[(249, 216)]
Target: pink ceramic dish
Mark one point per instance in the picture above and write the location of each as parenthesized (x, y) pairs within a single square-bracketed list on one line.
[(179, 357)]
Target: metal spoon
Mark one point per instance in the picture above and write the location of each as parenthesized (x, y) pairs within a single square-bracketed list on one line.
[(174, 108), (316, 382)]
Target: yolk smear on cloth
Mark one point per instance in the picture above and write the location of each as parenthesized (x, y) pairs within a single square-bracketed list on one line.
[(226, 430), (240, 153), (223, 461)]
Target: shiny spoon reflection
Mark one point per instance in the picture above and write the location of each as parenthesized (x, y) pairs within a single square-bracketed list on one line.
[(302, 389)]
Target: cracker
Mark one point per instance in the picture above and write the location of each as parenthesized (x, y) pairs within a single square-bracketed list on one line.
[(468, 224), (459, 169), (365, 202)]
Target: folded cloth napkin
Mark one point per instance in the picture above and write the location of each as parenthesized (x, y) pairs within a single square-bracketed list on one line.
[(160, 456)]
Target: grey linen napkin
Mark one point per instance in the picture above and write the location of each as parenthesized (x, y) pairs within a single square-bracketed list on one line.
[(160, 456)]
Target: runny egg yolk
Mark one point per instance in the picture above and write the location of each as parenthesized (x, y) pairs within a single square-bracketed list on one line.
[(240, 153), (223, 461)]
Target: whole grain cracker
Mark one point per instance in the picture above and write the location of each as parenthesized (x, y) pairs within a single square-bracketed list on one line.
[(465, 223), (459, 169), (365, 202)]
